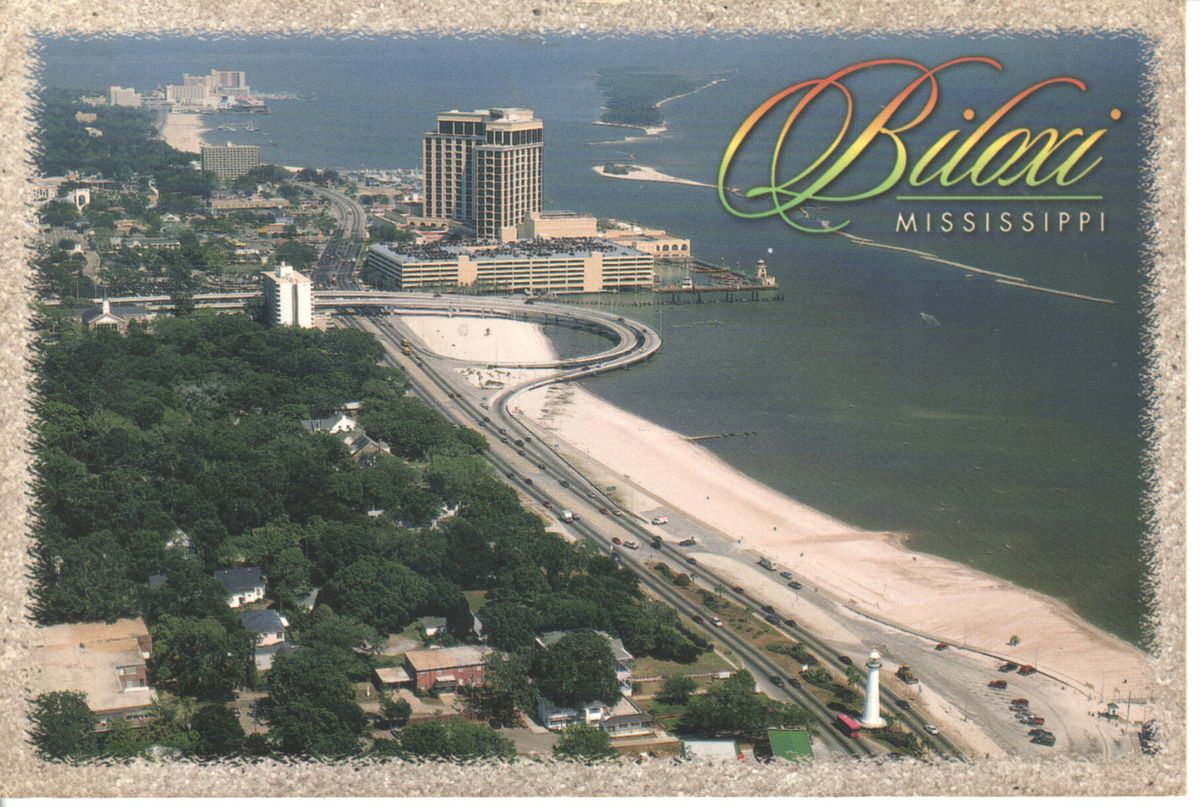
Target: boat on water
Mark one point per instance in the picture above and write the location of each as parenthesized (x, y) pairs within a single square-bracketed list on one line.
[(930, 320)]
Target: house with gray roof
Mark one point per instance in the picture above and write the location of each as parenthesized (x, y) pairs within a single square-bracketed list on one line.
[(243, 585)]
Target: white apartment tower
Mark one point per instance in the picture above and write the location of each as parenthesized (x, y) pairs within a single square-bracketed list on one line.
[(230, 161), (485, 169), (289, 297)]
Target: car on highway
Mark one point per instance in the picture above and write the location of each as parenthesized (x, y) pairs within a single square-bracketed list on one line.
[(519, 443), (739, 590), (791, 623), (777, 680), (770, 609), (521, 452), (509, 474), (716, 621), (903, 704), (564, 483), (699, 620), (795, 585), (603, 511), (659, 520), (786, 575), (774, 620), (632, 544), (794, 682), (528, 481), (541, 466), (482, 423), (691, 561), (503, 430), (545, 502), (931, 729), (845, 660), (487, 420), (616, 540), (504, 440), (591, 495)]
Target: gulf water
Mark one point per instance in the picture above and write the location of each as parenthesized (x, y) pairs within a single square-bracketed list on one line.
[(1002, 429)]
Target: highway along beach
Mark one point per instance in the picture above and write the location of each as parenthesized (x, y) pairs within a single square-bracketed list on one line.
[(855, 589)]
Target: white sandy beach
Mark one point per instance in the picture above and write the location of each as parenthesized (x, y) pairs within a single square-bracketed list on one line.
[(183, 131), (872, 573)]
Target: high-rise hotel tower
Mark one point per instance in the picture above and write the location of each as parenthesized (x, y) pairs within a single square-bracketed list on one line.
[(484, 169)]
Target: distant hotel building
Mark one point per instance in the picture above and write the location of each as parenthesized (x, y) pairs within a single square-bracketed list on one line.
[(289, 297), (484, 169), (124, 96), (556, 264), (230, 161)]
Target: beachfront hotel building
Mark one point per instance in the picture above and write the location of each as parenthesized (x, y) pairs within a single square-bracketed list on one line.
[(555, 264), (484, 169), (230, 161), (288, 296), (124, 96)]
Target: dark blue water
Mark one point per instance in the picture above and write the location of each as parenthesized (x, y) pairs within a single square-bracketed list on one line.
[(1006, 437)]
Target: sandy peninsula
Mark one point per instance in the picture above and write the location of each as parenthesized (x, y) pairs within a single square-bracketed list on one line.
[(183, 131), (642, 173)]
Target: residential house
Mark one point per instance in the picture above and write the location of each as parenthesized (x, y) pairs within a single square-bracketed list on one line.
[(431, 626), (106, 662), (243, 585), (624, 718), (364, 450), (335, 424), (624, 659), (268, 625), (447, 667)]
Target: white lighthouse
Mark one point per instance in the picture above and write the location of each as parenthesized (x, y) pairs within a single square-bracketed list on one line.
[(870, 715)]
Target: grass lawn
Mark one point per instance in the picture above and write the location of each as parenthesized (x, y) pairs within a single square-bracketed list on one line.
[(708, 662), (475, 599)]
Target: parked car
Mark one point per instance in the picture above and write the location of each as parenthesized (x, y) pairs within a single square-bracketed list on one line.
[(999, 683), (1009, 666)]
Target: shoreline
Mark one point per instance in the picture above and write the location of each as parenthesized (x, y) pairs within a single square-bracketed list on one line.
[(183, 131), (864, 574)]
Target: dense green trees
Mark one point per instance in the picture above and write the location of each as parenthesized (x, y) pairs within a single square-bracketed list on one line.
[(732, 708), (577, 669), (218, 732), (63, 725), (506, 689), (386, 595), (201, 658), (310, 706), (300, 256), (678, 688), (453, 739), (584, 744)]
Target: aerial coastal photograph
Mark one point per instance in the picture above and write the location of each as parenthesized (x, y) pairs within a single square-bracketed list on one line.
[(562, 398)]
